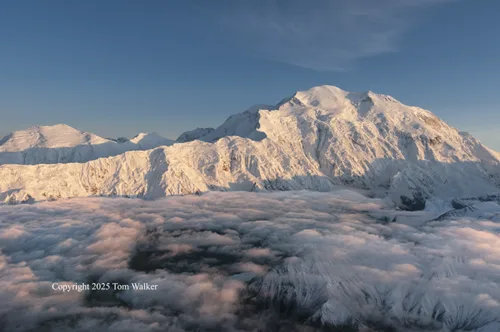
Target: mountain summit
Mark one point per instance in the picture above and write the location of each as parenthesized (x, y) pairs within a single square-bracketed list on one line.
[(61, 143), (55, 136), (315, 139)]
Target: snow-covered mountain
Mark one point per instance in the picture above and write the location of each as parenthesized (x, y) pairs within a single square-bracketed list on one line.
[(315, 139), (146, 141), (64, 144), (194, 134)]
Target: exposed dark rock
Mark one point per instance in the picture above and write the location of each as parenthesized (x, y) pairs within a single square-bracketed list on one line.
[(417, 203)]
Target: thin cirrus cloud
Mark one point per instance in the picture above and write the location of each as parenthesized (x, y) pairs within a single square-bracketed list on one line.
[(324, 35)]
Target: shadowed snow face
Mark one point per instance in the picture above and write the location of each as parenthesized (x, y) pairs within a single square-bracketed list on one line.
[(299, 261)]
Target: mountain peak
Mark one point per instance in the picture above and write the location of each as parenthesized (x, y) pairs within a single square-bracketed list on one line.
[(194, 134), (55, 126), (151, 140), (324, 103), (49, 136), (144, 135), (61, 143), (328, 97), (324, 96)]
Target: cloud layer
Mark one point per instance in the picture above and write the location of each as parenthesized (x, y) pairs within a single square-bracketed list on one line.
[(317, 34), (240, 261)]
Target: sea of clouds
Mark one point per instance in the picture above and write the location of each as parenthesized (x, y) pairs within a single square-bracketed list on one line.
[(240, 261)]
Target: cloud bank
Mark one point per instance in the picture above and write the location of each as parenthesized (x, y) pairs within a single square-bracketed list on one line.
[(317, 34), (240, 261)]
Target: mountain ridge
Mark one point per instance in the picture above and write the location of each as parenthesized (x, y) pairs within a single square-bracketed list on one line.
[(316, 139), (61, 143)]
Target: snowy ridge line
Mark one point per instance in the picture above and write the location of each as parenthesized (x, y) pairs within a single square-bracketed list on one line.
[(63, 144), (316, 140)]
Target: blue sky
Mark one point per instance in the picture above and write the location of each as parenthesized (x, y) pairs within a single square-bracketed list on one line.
[(119, 67)]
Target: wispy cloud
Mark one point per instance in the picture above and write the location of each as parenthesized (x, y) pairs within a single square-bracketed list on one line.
[(318, 34)]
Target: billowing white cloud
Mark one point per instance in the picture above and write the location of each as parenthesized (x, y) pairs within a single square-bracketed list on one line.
[(317, 34), (229, 261)]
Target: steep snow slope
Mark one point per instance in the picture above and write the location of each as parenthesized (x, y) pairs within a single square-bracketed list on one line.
[(315, 139), (63, 144)]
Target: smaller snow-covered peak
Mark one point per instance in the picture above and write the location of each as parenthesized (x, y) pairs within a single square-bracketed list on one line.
[(194, 134), (63, 144), (54, 136), (141, 136), (148, 141)]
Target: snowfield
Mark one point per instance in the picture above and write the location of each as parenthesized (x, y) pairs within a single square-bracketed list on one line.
[(245, 261), (316, 140)]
